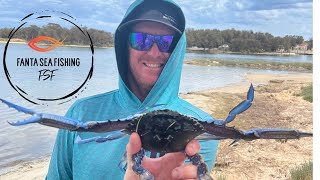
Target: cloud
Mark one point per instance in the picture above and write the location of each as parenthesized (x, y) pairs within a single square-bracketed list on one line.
[(283, 17), (292, 17)]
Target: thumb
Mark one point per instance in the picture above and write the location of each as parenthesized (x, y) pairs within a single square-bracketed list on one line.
[(133, 147), (134, 144)]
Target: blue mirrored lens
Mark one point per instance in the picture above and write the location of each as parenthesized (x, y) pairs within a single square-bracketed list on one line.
[(143, 42), (164, 43)]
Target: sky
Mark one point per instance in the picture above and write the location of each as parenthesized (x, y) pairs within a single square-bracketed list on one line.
[(278, 17)]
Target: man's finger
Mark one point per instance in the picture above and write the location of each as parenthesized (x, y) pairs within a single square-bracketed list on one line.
[(187, 171), (133, 147), (193, 147), (134, 144), (168, 161)]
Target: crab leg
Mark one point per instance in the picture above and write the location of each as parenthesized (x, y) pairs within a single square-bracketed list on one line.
[(202, 170), (115, 135), (123, 162), (138, 168), (244, 105), (275, 133), (217, 132)]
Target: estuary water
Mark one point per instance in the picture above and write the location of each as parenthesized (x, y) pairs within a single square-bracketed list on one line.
[(18, 144)]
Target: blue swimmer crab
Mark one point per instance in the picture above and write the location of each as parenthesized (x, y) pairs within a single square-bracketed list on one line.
[(162, 131)]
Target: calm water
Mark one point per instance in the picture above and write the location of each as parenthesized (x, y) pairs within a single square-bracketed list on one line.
[(33, 141)]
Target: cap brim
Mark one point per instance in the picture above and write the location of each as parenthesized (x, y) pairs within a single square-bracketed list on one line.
[(152, 20)]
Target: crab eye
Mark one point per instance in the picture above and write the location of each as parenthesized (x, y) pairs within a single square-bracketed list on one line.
[(54, 43)]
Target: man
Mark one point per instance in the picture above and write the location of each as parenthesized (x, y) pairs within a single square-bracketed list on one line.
[(150, 44)]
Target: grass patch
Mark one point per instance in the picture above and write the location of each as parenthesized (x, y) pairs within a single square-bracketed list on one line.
[(303, 172), (221, 178), (289, 66), (307, 93)]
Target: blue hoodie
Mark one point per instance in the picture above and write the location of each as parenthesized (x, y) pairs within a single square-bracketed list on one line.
[(100, 161)]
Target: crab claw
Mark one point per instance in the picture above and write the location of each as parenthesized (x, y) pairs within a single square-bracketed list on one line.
[(18, 108), (47, 119), (33, 119), (35, 116), (244, 105), (274, 133)]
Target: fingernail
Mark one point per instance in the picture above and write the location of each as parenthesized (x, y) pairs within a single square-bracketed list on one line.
[(133, 141), (176, 174)]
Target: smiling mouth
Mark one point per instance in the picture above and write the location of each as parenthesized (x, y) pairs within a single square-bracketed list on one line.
[(151, 65)]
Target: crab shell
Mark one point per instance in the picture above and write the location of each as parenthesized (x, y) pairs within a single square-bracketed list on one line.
[(165, 131)]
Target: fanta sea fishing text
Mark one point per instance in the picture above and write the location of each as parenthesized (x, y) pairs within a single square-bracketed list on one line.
[(47, 74)]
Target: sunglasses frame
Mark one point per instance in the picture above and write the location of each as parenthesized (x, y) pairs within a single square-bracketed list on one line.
[(156, 39)]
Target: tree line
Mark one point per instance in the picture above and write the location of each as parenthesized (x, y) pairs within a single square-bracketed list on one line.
[(72, 36), (242, 41), (236, 41)]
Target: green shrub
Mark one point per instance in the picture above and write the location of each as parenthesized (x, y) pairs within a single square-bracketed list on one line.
[(307, 93), (303, 172)]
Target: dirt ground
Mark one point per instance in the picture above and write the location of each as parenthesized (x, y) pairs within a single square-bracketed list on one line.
[(275, 105)]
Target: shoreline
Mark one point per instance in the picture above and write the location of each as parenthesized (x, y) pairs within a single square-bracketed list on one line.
[(208, 100), (71, 45), (188, 50), (283, 66), (35, 169), (291, 53)]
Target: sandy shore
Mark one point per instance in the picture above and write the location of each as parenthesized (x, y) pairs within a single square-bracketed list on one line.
[(275, 105), (33, 170)]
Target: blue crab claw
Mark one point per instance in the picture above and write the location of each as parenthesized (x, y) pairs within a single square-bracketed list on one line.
[(33, 119), (35, 116), (47, 119), (65, 122), (18, 108), (275, 133), (244, 105)]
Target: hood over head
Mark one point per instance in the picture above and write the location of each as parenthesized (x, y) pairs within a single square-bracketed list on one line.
[(167, 86)]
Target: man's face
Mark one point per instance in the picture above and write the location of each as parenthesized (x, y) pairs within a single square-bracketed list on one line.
[(146, 66)]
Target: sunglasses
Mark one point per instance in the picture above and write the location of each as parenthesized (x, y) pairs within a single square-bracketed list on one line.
[(144, 42)]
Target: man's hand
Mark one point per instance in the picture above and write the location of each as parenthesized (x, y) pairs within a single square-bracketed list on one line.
[(169, 166)]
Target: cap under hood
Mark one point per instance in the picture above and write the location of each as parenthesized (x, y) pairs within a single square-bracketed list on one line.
[(167, 86)]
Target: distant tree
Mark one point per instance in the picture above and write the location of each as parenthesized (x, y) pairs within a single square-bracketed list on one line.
[(310, 44), (241, 41), (4, 32), (70, 36)]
